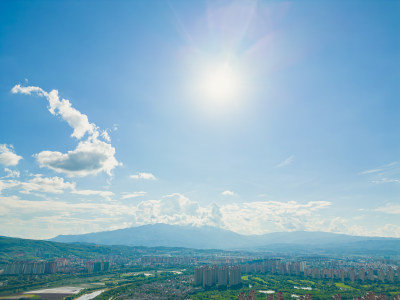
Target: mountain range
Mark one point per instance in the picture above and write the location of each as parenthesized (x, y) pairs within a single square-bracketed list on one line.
[(216, 238)]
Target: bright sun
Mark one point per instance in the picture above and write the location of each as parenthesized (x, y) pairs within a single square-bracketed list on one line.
[(219, 85)]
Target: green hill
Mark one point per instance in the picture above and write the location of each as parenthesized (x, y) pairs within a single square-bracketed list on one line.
[(12, 249)]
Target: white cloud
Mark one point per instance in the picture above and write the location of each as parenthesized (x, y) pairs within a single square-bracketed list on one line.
[(63, 108), (133, 195), (380, 169), (105, 194), (53, 185), (27, 90), (371, 171), (286, 162), (246, 218), (175, 209), (389, 173), (91, 156), (228, 193), (388, 230), (147, 176), (393, 209), (386, 180), (7, 155), (271, 216), (337, 225), (8, 184), (11, 173), (341, 225), (47, 218), (31, 207), (106, 136)]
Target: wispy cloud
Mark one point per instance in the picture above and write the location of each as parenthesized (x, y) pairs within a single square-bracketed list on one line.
[(386, 180), (49, 185), (379, 169), (133, 195), (53, 185), (105, 194), (393, 209), (286, 162), (228, 193), (11, 173), (389, 173), (90, 156), (8, 157), (146, 176), (371, 171)]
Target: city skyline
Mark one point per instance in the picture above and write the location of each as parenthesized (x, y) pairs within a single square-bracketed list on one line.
[(255, 117)]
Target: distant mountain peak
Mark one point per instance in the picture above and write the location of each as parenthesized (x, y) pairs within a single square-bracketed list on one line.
[(208, 237)]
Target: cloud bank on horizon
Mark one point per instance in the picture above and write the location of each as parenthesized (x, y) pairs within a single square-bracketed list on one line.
[(174, 209)]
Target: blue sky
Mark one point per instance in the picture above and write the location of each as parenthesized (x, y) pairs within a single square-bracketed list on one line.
[(255, 116)]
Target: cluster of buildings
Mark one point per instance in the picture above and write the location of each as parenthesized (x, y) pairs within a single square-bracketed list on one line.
[(36, 267), (352, 274), (173, 288), (276, 266), (166, 260), (30, 268), (58, 265), (97, 266), (208, 276)]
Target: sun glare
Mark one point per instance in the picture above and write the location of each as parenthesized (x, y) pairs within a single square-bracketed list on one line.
[(220, 83), (219, 86)]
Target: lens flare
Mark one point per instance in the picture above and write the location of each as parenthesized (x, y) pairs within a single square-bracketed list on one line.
[(220, 83)]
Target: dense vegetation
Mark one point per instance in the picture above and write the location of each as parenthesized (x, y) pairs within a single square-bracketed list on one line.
[(16, 249), (12, 249)]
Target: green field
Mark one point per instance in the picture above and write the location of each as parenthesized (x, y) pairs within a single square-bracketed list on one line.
[(341, 285)]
